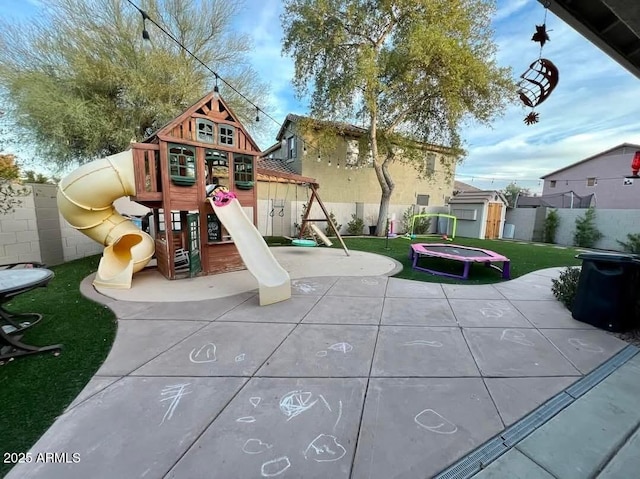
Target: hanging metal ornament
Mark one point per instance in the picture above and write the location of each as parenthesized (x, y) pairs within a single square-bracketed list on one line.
[(541, 78)]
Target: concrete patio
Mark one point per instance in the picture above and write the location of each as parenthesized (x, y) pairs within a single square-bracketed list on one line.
[(357, 376)]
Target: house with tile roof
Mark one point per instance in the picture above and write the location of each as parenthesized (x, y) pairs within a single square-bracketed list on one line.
[(347, 180)]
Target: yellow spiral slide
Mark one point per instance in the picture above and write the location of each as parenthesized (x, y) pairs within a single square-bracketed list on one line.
[(85, 200)]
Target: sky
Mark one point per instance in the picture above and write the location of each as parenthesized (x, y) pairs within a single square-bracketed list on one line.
[(593, 108)]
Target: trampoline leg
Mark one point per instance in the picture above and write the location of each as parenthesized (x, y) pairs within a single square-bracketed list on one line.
[(465, 274), (506, 269)]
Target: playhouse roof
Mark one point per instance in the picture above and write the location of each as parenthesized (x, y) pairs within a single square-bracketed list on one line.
[(270, 169), (206, 104)]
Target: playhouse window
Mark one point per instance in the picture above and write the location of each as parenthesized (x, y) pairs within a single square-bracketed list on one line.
[(243, 171), (182, 164), (205, 130), (226, 134), (552, 183), (592, 181)]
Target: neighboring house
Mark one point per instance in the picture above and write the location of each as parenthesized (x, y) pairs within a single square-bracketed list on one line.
[(348, 190), (481, 214), (602, 175)]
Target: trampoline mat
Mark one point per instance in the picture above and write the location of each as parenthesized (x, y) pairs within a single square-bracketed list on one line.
[(457, 251)]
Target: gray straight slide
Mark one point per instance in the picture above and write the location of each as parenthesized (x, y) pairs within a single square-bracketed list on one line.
[(273, 280)]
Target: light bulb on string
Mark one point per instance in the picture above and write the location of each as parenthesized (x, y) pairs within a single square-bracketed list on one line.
[(216, 90), (329, 163), (257, 114), (318, 159)]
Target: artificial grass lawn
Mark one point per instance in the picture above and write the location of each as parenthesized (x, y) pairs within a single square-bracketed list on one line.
[(35, 390), (525, 258)]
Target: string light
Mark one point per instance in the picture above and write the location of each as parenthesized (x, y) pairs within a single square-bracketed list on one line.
[(216, 90)]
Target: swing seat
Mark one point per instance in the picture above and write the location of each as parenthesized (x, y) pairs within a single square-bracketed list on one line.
[(303, 242)]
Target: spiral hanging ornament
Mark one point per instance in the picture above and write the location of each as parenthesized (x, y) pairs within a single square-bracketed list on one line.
[(541, 77)]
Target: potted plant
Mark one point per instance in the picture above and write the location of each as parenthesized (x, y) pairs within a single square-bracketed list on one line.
[(373, 222)]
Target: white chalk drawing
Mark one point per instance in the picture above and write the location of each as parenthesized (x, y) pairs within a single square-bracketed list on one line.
[(580, 344), (275, 467), (246, 419), (517, 337), (424, 342), (435, 422), (491, 313), (255, 446), (206, 354), (341, 347), (255, 401), (173, 393), (296, 402), (325, 448), (325, 402), (494, 310), (305, 287), (321, 353), (339, 415), (240, 357), (370, 282)]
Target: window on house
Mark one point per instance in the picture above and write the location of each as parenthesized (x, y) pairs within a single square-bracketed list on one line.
[(182, 164), (205, 130), (430, 163), (422, 200), (243, 171), (353, 151), (552, 184), (592, 181), (226, 133), (291, 147)]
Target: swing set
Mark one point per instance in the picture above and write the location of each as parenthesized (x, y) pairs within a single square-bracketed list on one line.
[(306, 221)]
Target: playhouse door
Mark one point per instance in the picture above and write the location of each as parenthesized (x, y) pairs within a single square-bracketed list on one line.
[(193, 239)]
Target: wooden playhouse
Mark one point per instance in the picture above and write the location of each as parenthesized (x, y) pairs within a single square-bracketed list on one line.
[(205, 146)]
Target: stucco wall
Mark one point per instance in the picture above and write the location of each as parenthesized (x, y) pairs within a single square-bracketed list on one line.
[(523, 220), (340, 185)]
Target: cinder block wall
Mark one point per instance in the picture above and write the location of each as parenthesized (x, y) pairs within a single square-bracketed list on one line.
[(19, 240), (35, 231)]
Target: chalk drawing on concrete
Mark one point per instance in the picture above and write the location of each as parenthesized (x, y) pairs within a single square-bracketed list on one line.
[(173, 393), (424, 342), (295, 403), (275, 467), (255, 446), (514, 336), (435, 422), (204, 354), (325, 448), (585, 346)]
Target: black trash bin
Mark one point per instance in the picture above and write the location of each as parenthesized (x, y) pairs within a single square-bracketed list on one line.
[(608, 294)]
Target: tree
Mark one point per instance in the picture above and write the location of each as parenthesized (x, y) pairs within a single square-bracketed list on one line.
[(10, 189), (412, 70), (83, 86), (511, 192)]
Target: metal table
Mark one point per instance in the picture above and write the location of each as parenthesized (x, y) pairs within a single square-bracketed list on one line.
[(12, 283)]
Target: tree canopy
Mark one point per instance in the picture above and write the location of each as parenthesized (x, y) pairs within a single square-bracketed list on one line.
[(413, 70), (81, 84), (10, 188), (511, 192)]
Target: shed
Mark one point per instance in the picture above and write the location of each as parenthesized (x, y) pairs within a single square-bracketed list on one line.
[(481, 214)]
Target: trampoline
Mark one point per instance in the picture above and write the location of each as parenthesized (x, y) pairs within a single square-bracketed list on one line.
[(464, 254)]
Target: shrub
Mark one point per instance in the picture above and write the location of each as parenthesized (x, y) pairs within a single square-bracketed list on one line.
[(586, 234), (565, 287), (551, 223), (633, 246), (421, 225), (328, 231), (355, 226)]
